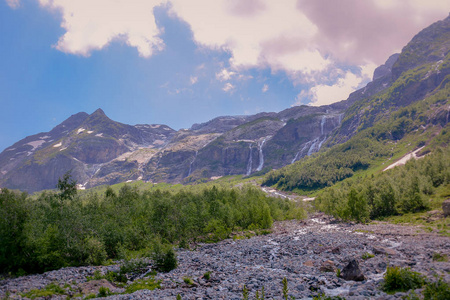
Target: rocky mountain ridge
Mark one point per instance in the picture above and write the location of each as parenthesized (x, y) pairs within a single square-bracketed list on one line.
[(101, 151)]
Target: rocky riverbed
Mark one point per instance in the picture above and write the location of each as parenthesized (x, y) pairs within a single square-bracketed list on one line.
[(306, 253)]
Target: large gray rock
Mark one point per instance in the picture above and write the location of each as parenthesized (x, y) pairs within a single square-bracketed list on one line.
[(352, 271), (446, 207)]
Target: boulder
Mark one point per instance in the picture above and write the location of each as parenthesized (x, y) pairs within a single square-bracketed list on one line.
[(384, 251), (352, 271), (446, 207)]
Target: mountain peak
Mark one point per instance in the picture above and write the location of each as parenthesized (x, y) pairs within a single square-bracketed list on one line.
[(98, 112)]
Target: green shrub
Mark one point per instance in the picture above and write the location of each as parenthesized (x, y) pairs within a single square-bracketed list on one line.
[(439, 290), (135, 266), (188, 280), (165, 259), (143, 284), (96, 252), (103, 292), (116, 277), (49, 290), (367, 255), (245, 293), (439, 257), (96, 276), (398, 279), (207, 275)]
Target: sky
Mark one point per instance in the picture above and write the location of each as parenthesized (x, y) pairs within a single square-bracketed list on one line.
[(180, 62)]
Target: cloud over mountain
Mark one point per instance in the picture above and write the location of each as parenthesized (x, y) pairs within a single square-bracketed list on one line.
[(304, 39)]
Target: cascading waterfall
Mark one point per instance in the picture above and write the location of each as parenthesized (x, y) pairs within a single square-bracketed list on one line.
[(250, 162), (192, 162), (448, 113), (301, 151), (340, 118), (261, 156), (322, 123), (320, 144), (311, 149)]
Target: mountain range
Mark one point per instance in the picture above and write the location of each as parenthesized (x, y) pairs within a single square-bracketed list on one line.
[(101, 151)]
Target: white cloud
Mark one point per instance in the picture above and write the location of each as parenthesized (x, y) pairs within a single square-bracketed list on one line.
[(193, 79), (323, 94), (219, 24), (228, 87), (93, 24), (225, 75), (13, 3), (304, 38), (265, 88), (306, 62)]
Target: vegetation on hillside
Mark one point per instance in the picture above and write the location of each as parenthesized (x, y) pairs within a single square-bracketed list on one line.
[(396, 191), (415, 124), (57, 229)]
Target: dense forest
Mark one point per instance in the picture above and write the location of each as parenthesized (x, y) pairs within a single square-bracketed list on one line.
[(400, 190), (63, 228)]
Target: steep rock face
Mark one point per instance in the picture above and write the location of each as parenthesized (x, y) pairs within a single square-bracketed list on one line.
[(385, 69), (99, 150), (83, 144), (422, 68)]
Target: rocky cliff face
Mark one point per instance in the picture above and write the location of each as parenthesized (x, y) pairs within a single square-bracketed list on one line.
[(101, 151)]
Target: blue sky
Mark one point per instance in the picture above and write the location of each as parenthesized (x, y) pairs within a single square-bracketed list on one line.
[(182, 62)]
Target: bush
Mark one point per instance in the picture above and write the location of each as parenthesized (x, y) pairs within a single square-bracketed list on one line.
[(439, 290), (439, 257), (165, 258), (207, 275), (367, 255), (188, 280), (398, 279), (143, 284), (96, 252), (103, 292)]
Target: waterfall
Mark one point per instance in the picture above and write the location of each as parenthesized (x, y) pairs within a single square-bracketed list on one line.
[(192, 162), (320, 144), (448, 113), (301, 151), (340, 118), (322, 123), (261, 157), (249, 165), (311, 149)]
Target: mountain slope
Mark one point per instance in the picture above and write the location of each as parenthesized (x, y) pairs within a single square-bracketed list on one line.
[(83, 143), (411, 111), (365, 130)]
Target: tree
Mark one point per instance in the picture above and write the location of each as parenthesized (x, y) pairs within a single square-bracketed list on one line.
[(67, 187)]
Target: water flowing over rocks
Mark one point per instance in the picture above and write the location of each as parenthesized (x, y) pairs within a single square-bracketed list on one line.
[(302, 251)]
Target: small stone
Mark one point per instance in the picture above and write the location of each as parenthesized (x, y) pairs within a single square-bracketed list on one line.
[(309, 263), (336, 250), (384, 251)]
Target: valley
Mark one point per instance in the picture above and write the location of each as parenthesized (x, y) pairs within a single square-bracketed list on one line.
[(230, 207), (307, 253)]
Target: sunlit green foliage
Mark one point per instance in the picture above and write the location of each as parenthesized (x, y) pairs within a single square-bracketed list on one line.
[(52, 231), (400, 190), (398, 279), (383, 123)]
